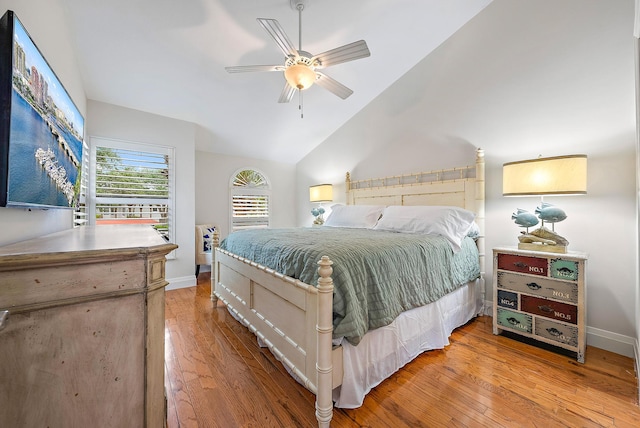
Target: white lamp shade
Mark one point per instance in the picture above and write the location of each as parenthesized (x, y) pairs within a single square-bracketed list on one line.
[(561, 175), (321, 193), (300, 76)]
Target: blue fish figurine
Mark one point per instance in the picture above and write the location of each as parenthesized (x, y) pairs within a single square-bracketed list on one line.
[(550, 213), (524, 218)]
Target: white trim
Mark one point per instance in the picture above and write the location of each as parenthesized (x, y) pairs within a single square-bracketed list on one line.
[(636, 26), (612, 342), (239, 170), (236, 190), (488, 308), (636, 350), (636, 52), (181, 282)]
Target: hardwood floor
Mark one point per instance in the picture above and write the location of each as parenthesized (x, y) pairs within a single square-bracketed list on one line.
[(217, 376)]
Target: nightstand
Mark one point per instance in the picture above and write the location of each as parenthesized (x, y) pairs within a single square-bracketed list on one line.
[(541, 296)]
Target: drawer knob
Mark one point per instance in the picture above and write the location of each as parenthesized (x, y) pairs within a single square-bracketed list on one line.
[(545, 308), (554, 332), (4, 317), (512, 321), (534, 286)]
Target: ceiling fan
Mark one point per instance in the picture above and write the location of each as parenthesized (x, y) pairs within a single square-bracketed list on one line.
[(301, 69)]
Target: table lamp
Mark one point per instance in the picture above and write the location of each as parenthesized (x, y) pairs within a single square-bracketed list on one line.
[(318, 194), (560, 175)]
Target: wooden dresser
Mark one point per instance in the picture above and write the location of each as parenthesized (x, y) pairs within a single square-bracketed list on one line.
[(84, 342), (541, 296)]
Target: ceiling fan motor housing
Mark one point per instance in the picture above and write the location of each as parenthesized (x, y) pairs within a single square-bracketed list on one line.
[(302, 58)]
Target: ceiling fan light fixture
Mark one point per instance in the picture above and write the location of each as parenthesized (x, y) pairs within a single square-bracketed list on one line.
[(300, 76)]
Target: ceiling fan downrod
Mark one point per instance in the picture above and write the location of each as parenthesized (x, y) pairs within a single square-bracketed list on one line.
[(299, 5)]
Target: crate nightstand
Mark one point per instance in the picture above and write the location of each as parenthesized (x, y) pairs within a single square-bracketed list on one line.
[(541, 296)]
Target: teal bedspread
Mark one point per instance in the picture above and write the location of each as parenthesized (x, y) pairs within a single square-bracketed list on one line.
[(376, 274)]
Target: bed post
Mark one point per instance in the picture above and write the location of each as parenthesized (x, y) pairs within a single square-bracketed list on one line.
[(215, 242), (324, 327), (347, 186), (480, 217)]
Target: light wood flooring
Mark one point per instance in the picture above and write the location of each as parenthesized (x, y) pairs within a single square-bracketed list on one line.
[(217, 376)]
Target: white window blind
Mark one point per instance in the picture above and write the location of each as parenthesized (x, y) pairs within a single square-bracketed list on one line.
[(80, 212), (249, 200), (133, 185)]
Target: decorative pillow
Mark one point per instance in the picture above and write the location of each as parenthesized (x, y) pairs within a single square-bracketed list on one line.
[(358, 216), (451, 222), (207, 239)]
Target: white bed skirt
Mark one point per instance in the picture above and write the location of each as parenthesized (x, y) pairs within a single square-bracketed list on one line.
[(413, 332)]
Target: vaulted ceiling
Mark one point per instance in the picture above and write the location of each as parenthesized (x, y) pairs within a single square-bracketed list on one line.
[(168, 58)]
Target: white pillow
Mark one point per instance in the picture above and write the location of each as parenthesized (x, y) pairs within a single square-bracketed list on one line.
[(358, 216), (451, 222), (474, 231)]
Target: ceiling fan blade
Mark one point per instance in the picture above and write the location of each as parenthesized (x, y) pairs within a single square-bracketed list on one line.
[(251, 68), (275, 30), (355, 50), (287, 93), (333, 86)]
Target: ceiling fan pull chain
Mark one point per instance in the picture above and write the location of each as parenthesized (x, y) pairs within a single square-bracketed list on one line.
[(300, 104)]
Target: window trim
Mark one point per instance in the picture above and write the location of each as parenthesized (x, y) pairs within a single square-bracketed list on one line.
[(248, 190), (97, 141)]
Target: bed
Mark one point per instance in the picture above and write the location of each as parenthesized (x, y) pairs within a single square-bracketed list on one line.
[(295, 319)]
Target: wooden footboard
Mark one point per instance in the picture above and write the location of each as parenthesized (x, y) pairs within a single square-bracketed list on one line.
[(294, 319)]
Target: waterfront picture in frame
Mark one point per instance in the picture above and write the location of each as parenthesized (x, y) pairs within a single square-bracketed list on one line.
[(41, 129)]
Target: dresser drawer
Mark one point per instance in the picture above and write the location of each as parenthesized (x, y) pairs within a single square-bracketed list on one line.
[(550, 288), (523, 264), (514, 320), (557, 332), (564, 269), (507, 299), (549, 309)]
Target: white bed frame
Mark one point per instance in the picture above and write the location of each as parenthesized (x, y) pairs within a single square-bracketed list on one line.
[(294, 319)]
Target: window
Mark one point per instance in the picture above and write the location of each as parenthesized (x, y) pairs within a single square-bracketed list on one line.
[(133, 184), (250, 194), (80, 211)]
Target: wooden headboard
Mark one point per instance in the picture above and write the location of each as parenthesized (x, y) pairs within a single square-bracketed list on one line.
[(461, 187)]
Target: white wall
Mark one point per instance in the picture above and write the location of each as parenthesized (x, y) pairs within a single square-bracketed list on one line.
[(636, 33), (45, 22), (212, 175), (521, 79), (119, 123)]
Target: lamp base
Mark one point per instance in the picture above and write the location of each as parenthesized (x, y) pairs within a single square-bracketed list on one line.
[(543, 239), (531, 246)]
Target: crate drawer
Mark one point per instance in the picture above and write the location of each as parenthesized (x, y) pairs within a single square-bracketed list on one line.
[(523, 264), (549, 309), (561, 333), (514, 320), (507, 299), (564, 269), (549, 288)]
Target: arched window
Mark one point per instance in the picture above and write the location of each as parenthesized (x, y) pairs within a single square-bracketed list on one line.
[(250, 193)]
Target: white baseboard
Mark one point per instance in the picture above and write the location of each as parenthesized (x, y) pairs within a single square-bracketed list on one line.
[(181, 282), (612, 342), (488, 308), (636, 348)]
